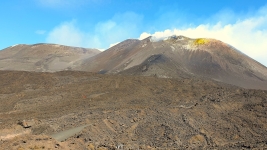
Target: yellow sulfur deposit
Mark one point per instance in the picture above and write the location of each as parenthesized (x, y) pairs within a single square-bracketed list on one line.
[(201, 41)]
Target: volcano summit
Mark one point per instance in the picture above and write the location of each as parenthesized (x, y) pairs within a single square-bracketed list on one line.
[(180, 57)]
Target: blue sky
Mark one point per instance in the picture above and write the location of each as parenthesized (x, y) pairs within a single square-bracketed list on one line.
[(101, 23)]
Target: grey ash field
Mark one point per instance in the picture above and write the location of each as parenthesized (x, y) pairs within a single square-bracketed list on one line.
[(136, 95)]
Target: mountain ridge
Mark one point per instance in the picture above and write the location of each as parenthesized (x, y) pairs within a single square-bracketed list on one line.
[(42, 57), (170, 57)]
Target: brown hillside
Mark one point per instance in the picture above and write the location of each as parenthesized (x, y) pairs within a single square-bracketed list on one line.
[(128, 111), (42, 57)]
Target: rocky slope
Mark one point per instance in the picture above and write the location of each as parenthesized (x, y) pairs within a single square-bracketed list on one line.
[(127, 112), (180, 57), (42, 57)]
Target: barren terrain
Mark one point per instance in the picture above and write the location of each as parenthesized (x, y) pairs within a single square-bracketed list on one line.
[(129, 112), (42, 57), (179, 56), (175, 93)]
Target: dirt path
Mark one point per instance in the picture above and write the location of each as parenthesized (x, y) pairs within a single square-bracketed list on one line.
[(63, 135)]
